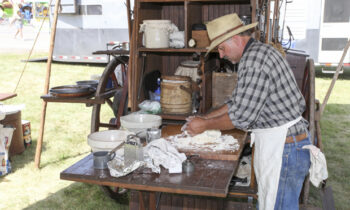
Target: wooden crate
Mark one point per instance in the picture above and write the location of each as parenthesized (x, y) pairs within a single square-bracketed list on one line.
[(222, 86), (201, 38)]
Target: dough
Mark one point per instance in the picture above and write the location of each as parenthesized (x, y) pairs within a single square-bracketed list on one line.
[(206, 137)]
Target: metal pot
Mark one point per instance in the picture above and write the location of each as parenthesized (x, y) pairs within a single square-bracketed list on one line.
[(90, 83)]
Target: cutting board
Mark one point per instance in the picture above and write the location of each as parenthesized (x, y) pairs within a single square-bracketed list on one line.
[(171, 130)]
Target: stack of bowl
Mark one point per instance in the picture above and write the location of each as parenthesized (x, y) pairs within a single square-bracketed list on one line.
[(107, 140), (138, 123)]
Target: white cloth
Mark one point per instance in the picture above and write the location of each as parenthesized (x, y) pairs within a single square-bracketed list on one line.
[(161, 152), (10, 109), (177, 39), (2, 115), (269, 145), (5, 142), (318, 169)]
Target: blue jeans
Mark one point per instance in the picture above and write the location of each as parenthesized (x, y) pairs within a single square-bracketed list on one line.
[(295, 167)]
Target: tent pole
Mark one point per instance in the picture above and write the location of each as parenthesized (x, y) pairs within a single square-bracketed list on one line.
[(129, 19), (46, 89)]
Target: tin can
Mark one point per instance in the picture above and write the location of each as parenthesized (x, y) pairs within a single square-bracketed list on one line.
[(153, 134), (27, 138)]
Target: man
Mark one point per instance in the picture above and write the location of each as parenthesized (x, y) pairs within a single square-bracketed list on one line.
[(266, 101), (18, 21)]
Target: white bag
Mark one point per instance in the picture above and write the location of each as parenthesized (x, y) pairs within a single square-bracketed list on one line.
[(5, 142)]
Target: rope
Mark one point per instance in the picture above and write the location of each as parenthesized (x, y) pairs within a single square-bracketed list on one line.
[(279, 48), (30, 53)]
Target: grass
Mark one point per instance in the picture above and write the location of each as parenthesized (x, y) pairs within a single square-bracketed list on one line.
[(67, 126), (335, 124), (66, 130)]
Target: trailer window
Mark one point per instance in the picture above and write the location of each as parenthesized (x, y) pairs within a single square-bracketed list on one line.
[(90, 9), (336, 11), (333, 44)]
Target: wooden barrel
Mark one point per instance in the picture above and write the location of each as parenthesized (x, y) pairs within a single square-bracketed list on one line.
[(174, 99), (17, 143)]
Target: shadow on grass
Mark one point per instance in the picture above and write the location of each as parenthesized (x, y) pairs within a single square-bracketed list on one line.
[(78, 196), (335, 133), (21, 160), (44, 60)]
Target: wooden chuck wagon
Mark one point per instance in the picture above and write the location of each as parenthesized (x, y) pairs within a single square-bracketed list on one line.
[(208, 187)]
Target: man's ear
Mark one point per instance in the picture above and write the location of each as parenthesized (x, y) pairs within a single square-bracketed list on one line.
[(238, 40)]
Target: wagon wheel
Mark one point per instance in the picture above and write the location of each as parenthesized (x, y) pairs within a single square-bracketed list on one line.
[(114, 95), (118, 194)]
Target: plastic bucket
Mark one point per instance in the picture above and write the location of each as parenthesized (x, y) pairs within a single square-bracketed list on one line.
[(173, 98), (156, 33)]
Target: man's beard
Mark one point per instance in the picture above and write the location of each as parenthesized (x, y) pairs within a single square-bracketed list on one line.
[(226, 58)]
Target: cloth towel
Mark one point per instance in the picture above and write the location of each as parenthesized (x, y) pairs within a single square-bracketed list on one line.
[(318, 169), (161, 152), (177, 39), (2, 115)]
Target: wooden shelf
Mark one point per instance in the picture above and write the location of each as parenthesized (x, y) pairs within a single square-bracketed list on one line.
[(184, 14), (5, 96), (86, 100), (175, 116), (211, 1), (242, 192), (174, 50), (111, 52)]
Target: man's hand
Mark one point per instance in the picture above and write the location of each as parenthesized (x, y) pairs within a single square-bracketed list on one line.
[(196, 125)]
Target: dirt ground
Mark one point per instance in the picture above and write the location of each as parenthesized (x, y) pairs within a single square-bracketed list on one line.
[(8, 44)]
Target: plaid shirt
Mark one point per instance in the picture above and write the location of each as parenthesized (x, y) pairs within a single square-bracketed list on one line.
[(266, 94)]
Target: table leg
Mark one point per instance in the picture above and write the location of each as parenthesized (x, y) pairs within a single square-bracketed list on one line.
[(142, 204), (152, 201)]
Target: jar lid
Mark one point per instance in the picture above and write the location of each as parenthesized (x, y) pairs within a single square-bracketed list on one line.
[(190, 63)]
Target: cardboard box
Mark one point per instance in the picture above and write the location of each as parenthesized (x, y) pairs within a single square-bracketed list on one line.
[(222, 86), (201, 38)]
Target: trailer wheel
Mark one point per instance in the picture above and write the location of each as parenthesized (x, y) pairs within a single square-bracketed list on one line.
[(113, 94)]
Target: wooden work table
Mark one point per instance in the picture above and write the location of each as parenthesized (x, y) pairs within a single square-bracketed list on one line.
[(210, 178), (5, 96)]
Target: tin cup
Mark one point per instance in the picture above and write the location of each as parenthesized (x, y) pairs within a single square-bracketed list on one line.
[(152, 134), (101, 158)]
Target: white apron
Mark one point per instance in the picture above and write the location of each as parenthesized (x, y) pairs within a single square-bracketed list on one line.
[(269, 145)]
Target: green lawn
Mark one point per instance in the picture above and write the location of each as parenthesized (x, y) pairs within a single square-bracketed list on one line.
[(65, 140), (67, 127)]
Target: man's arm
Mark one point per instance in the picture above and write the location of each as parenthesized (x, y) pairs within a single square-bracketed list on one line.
[(217, 112), (198, 125)]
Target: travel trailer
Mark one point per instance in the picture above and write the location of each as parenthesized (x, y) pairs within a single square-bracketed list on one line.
[(85, 26), (320, 28)]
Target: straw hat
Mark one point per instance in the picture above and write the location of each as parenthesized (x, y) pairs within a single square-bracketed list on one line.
[(224, 27)]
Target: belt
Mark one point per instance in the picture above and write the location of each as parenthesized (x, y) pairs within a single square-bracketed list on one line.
[(298, 138)]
